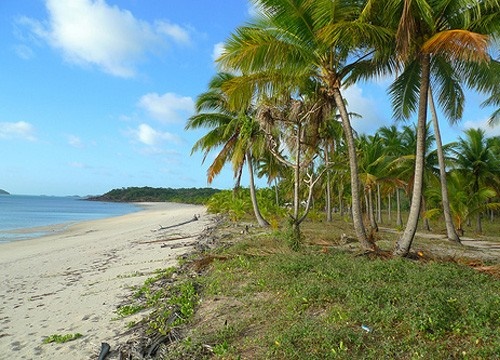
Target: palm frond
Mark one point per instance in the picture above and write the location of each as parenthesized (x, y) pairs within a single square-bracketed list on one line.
[(458, 44), (404, 92), (450, 94)]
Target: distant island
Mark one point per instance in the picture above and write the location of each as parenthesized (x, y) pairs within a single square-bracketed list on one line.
[(3, 192), (147, 194)]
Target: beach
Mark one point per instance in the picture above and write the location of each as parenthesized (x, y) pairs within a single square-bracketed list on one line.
[(74, 280)]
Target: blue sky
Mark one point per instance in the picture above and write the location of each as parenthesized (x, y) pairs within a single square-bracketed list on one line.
[(94, 95)]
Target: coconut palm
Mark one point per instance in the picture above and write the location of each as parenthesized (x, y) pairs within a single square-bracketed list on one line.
[(477, 160), (374, 164), (450, 228), (294, 41), (464, 203), (392, 141), (439, 42), (235, 133)]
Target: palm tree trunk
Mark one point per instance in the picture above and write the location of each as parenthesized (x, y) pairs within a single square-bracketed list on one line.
[(296, 185), (403, 245), (479, 225), (427, 225), (341, 204), (357, 216), (371, 213), (379, 205), (399, 218), (328, 191), (389, 207), (262, 222), (276, 192), (448, 220)]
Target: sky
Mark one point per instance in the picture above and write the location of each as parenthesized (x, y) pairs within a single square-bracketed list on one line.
[(95, 94)]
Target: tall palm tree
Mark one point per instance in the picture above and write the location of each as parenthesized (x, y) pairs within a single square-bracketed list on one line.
[(450, 228), (438, 42), (293, 41), (476, 160), (393, 144), (234, 132), (374, 164)]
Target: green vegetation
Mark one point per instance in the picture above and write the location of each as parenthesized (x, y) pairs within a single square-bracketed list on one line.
[(170, 303), (278, 107), (326, 301), (60, 339), (139, 194)]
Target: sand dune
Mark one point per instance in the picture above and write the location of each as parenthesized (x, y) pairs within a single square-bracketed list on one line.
[(73, 281)]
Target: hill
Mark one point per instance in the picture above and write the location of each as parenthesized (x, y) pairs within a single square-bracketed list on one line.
[(3, 192), (145, 194)]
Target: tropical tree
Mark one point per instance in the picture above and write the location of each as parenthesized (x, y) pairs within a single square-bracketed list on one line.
[(294, 41), (440, 42), (235, 133), (393, 144), (463, 202), (292, 132), (450, 227), (374, 164), (477, 159)]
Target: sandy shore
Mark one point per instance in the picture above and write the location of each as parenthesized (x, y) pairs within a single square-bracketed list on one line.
[(73, 281)]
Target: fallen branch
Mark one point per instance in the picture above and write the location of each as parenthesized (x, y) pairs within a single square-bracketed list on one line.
[(170, 239), (195, 218)]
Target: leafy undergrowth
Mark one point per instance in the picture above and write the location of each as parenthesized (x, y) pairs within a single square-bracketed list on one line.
[(260, 300)]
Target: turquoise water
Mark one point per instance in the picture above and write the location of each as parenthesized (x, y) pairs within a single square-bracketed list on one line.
[(20, 213)]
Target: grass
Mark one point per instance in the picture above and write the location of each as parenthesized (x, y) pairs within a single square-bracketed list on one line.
[(60, 339), (260, 300)]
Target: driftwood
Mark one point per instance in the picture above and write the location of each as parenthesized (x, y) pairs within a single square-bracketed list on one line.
[(195, 218), (169, 239)]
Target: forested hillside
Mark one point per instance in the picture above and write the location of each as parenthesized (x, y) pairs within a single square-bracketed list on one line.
[(139, 194)]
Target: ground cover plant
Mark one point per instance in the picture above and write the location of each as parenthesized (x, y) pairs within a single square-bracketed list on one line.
[(259, 299), (60, 339)]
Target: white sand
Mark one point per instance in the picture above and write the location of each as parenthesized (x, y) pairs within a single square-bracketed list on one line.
[(72, 282)]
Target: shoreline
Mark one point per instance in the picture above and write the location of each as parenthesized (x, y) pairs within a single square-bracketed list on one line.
[(37, 232), (72, 281)]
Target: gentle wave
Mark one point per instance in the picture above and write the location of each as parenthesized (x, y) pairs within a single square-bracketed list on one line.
[(24, 217)]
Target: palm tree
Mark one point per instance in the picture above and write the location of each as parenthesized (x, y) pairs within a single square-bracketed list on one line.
[(450, 228), (440, 42), (236, 133), (374, 164), (294, 41), (393, 145), (476, 160), (464, 203)]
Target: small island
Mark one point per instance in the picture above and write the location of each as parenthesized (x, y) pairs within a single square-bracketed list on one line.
[(3, 192)]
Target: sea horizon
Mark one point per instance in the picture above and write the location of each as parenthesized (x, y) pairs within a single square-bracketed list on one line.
[(24, 217)]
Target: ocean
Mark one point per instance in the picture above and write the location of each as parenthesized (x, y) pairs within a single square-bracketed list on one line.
[(24, 217)]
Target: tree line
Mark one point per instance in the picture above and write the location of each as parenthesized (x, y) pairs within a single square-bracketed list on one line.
[(277, 106), (146, 194)]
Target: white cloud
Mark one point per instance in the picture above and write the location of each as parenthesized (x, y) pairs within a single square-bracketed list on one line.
[(24, 52), (93, 32), (77, 165), (17, 130), (368, 108), (482, 124), (151, 137), (174, 31), (217, 51), (75, 141), (167, 108)]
